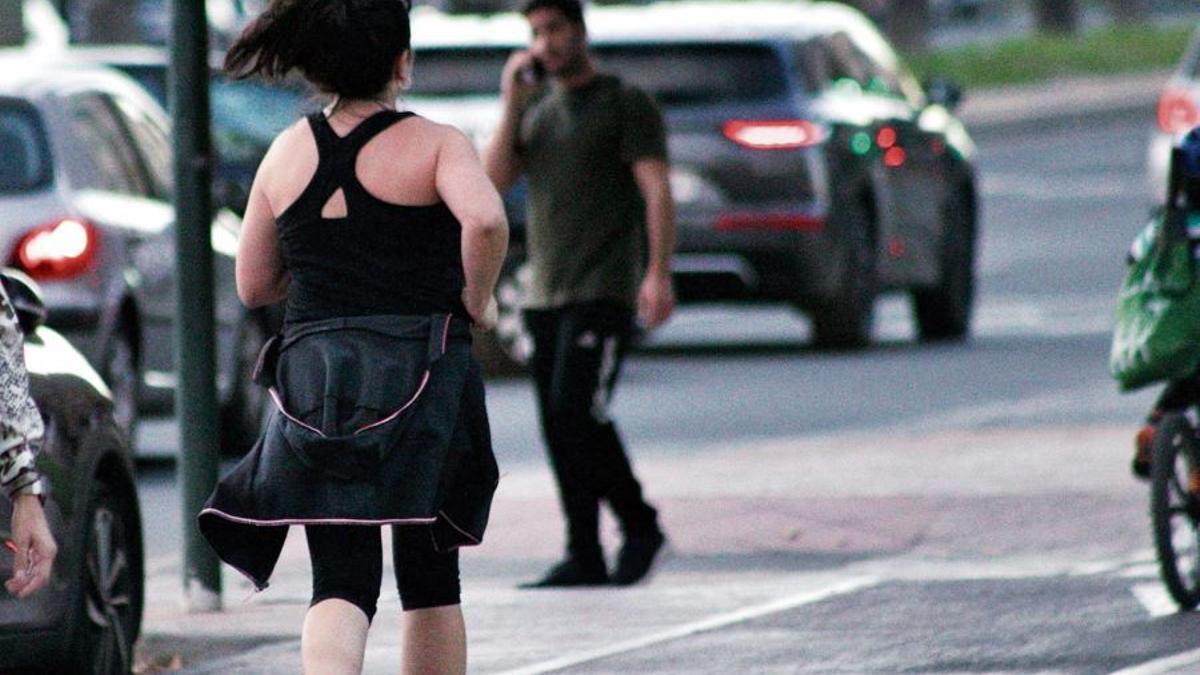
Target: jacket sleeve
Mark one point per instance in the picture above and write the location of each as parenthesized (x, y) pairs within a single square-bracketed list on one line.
[(21, 427)]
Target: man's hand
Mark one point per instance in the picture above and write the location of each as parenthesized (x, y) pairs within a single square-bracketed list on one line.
[(35, 547), (656, 299), (515, 83)]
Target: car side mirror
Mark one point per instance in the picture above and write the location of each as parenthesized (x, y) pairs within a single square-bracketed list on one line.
[(943, 92), (26, 298)]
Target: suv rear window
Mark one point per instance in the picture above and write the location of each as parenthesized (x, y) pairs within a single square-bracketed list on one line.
[(459, 72), (688, 74), (24, 155), (675, 74)]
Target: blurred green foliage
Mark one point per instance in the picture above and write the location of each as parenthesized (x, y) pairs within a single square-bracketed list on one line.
[(1117, 49)]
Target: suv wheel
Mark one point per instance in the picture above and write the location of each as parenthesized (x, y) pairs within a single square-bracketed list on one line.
[(108, 601), (242, 415), (944, 311), (845, 321), (506, 350), (121, 373)]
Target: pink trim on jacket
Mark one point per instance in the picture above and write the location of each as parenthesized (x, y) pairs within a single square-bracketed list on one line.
[(319, 521)]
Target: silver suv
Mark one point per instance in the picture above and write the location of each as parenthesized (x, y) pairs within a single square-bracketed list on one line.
[(808, 166)]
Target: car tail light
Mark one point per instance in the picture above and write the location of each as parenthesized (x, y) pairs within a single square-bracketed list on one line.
[(773, 222), (58, 250), (1177, 111), (773, 134)]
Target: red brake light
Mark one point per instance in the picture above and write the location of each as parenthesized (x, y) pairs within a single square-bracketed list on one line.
[(773, 134), (58, 250), (895, 157), (886, 138), (1177, 111)]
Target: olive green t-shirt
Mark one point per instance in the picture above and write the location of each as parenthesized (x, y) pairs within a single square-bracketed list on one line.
[(586, 220)]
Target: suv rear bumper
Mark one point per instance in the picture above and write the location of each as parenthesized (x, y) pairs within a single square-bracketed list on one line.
[(767, 259)]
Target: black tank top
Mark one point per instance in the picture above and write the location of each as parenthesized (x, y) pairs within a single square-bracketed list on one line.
[(381, 258)]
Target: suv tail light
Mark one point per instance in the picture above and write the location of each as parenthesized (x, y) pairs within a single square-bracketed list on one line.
[(1177, 111), (773, 134), (58, 250)]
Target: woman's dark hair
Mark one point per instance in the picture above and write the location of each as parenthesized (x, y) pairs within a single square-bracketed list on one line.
[(344, 47), (572, 9)]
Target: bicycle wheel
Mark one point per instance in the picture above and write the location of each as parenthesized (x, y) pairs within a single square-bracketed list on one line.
[(1175, 510)]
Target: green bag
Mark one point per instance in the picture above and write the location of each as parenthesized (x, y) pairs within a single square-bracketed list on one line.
[(1157, 336)]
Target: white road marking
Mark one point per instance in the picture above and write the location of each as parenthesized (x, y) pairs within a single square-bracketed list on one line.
[(1155, 599), (1165, 665), (1143, 571), (712, 623)]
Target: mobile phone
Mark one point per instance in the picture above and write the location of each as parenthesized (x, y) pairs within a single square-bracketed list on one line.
[(535, 72)]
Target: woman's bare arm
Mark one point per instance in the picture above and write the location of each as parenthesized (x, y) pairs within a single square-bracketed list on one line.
[(468, 192)]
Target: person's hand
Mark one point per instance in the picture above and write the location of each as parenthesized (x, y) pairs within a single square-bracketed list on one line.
[(656, 299), (484, 316), (35, 547), (515, 83)]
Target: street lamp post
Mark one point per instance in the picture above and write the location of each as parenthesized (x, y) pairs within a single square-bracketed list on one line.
[(195, 397)]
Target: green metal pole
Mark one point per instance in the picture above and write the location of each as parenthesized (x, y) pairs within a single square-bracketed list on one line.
[(196, 395)]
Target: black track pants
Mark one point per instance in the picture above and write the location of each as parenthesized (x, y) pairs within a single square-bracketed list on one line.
[(578, 350)]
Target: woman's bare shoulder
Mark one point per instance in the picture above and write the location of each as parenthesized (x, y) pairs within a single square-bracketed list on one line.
[(296, 136), (437, 132)]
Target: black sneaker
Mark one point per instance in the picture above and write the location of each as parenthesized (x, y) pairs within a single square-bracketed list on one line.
[(637, 557), (569, 573)]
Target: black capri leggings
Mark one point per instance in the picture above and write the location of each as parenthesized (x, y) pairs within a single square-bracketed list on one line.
[(347, 563)]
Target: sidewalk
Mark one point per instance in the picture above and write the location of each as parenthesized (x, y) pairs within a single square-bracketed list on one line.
[(755, 529), (1063, 99)]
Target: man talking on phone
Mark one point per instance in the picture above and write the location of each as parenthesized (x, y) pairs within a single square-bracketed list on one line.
[(600, 233)]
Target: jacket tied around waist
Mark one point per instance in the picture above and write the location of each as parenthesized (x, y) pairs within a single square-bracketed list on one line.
[(377, 420)]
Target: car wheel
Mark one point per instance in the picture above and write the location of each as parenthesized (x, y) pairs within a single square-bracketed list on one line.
[(845, 321), (108, 602), (506, 350), (122, 374), (242, 415), (944, 311)]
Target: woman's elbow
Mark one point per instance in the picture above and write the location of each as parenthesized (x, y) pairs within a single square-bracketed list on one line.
[(251, 298), (255, 294), (489, 225)]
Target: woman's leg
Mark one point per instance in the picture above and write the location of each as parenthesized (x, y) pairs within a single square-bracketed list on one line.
[(334, 638), (435, 636), (347, 563), (435, 641)]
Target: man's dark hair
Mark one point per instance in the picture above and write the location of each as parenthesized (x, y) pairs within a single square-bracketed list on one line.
[(572, 9), (344, 47)]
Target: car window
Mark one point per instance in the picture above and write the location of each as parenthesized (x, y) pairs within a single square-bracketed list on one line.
[(110, 161), (241, 137), (24, 153), (681, 74), (153, 144), (459, 72), (844, 62), (848, 63), (152, 78), (674, 74)]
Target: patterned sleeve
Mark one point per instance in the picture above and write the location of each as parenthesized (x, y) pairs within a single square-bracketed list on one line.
[(20, 422)]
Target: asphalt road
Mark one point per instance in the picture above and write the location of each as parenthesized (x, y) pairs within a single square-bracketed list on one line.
[(1019, 577)]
